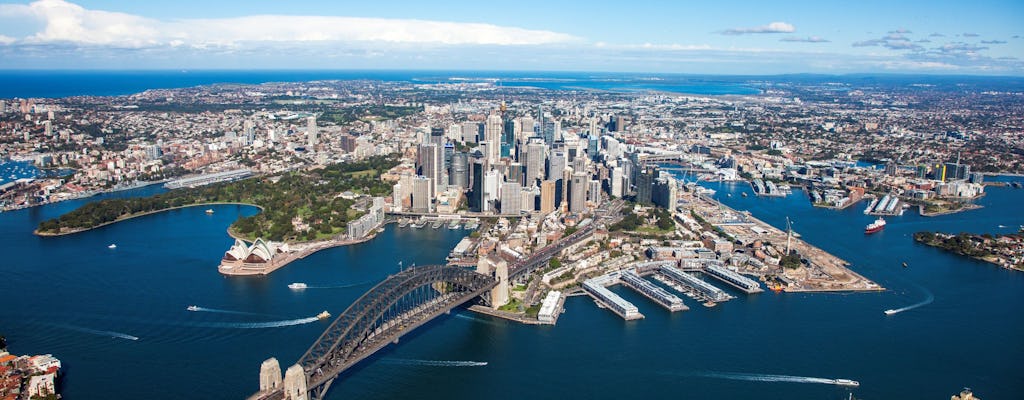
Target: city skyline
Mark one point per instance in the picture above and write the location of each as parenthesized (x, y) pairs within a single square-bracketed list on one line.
[(794, 37)]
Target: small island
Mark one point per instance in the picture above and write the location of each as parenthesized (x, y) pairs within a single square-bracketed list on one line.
[(1006, 251)]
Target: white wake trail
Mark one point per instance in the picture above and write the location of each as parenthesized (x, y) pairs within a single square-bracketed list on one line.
[(220, 311), (437, 363), (259, 325), (768, 378), (97, 332), (928, 300)]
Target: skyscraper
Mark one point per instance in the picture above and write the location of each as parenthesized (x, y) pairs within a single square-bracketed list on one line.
[(534, 162), (511, 198), (644, 185), (459, 171), (422, 200), (492, 134), (430, 163), (578, 193), (311, 132), (547, 196)]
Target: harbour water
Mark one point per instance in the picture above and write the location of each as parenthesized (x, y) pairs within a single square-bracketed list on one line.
[(117, 318)]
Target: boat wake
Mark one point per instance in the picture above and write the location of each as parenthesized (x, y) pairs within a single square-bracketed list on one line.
[(259, 325), (768, 378), (97, 332), (436, 363), (219, 311), (928, 300), (476, 319), (340, 286)]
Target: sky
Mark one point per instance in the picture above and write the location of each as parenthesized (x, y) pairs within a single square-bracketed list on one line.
[(980, 37)]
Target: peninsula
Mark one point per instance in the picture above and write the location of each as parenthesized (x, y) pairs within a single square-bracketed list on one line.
[(1006, 251)]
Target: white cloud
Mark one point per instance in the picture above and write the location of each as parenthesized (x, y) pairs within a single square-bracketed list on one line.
[(70, 23), (774, 27), (810, 39), (6, 39)]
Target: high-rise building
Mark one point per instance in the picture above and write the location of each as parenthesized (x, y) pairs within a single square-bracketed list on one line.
[(476, 195), (422, 200), (492, 134), (311, 132), (644, 185), (615, 182), (534, 162), (459, 171), (547, 196), (594, 191), (430, 163), (437, 137), (578, 193), (491, 186), (514, 173), (471, 132), (527, 127), (556, 164), (511, 198), (663, 193)]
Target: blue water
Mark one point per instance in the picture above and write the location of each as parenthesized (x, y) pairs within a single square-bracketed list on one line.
[(14, 170), (17, 83), (73, 297)]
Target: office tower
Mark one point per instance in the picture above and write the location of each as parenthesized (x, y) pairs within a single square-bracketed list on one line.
[(437, 137), (535, 161), (593, 132), (528, 198), (644, 185), (492, 134), (471, 132), (594, 191), (491, 186), (578, 193), (562, 195), (430, 163), (514, 173), (593, 146), (476, 195), (548, 130), (459, 171), (547, 196), (249, 130), (579, 164), (527, 127), (615, 182), (47, 129), (311, 132), (508, 137), (422, 199), (511, 198), (556, 164), (664, 192), (454, 133)]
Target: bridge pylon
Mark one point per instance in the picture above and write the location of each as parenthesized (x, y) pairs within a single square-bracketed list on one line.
[(295, 383)]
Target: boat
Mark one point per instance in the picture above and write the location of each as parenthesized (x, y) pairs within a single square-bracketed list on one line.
[(904, 264), (846, 382), (209, 211), (890, 312), (112, 246), (876, 226), (453, 225), (323, 315), (436, 224), (297, 286), (192, 308), (744, 194)]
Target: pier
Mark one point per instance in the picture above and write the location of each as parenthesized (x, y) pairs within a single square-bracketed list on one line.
[(658, 295), (732, 278), (695, 284), (596, 288)]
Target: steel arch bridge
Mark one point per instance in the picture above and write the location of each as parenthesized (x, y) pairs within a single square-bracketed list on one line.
[(394, 307)]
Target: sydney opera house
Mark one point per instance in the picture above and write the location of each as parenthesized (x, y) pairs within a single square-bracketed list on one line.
[(260, 258)]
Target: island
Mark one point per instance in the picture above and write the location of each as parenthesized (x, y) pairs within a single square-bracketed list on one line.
[(1006, 251)]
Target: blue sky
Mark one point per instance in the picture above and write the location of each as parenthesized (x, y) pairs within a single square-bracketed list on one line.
[(731, 37)]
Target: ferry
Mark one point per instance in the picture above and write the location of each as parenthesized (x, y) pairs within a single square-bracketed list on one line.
[(846, 382), (297, 286), (112, 246), (876, 226), (209, 211), (890, 312), (323, 315), (192, 308)]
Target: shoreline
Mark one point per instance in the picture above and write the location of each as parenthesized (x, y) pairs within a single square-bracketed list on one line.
[(122, 219), (969, 207), (935, 245)]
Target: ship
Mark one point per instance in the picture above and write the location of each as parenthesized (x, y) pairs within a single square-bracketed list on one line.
[(297, 286), (112, 246), (192, 308), (323, 315), (846, 382), (209, 211), (744, 194), (876, 226), (890, 312)]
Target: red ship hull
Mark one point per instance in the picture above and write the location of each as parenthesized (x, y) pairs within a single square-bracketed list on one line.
[(873, 230)]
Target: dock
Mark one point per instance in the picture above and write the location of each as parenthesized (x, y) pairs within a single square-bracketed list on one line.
[(595, 287), (733, 279), (694, 285), (658, 295)]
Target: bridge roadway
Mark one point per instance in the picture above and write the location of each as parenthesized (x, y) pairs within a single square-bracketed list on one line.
[(396, 306)]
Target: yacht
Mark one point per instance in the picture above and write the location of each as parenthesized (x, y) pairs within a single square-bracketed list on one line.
[(209, 211), (323, 315), (112, 246), (890, 312), (846, 382), (297, 286), (192, 308)]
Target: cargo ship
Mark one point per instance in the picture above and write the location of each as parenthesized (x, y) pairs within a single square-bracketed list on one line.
[(876, 226)]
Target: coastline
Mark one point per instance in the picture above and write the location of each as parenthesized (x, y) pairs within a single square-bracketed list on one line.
[(122, 219), (968, 207)]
